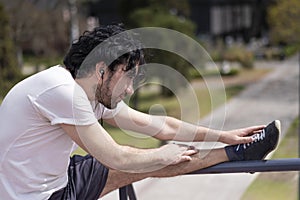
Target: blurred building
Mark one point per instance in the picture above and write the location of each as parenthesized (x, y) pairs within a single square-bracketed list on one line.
[(236, 18), (214, 18)]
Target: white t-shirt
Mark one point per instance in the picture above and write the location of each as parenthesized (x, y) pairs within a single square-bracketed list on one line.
[(34, 150)]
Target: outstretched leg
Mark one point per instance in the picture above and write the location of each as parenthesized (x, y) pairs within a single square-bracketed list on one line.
[(117, 179)]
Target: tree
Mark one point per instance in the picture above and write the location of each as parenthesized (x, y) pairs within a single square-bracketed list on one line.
[(9, 71), (284, 21), (171, 14), (127, 7), (37, 28)]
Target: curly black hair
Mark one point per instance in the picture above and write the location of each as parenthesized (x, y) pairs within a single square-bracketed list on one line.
[(111, 44)]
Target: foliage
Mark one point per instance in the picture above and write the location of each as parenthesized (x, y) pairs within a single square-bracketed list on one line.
[(291, 49), (284, 22), (159, 17), (170, 14), (233, 53), (38, 28), (239, 54), (126, 7), (9, 71)]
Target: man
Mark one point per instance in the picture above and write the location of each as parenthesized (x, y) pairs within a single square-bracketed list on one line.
[(45, 116)]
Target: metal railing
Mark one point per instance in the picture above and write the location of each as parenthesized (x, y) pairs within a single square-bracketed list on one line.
[(291, 164)]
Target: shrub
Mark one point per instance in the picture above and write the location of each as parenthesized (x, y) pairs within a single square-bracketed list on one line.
[(239, 54)]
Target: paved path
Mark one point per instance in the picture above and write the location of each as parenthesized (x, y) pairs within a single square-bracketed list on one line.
[(274, 97)]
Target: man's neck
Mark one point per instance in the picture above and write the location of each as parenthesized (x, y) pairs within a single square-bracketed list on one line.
[(89, 85)]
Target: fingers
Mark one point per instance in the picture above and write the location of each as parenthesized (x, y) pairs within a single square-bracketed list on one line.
[(185, 159), (186, 156), (246, 139), (185, 146), (250, 130), (247, 133), (189, 150), (184, 153), (253, 129)]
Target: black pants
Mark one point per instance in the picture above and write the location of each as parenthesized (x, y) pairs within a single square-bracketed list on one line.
[(86, 180)]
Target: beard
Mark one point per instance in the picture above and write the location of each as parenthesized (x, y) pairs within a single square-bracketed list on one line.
[(104, 96)]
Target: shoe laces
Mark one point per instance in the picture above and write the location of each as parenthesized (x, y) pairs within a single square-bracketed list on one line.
[(256, 138)]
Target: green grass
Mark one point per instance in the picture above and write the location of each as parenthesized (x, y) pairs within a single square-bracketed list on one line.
[(278, 185), (269, 187)]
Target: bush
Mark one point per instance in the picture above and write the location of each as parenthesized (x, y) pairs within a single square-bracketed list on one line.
[(239, 54), (290, 50), (283, 20)]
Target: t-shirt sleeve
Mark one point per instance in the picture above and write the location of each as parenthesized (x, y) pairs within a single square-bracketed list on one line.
[(66, 103)]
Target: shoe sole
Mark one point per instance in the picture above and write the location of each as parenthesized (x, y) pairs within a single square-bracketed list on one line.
[(278, 126)]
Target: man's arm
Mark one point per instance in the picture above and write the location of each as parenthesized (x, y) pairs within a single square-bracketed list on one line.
[(96, 141), (169, 128)]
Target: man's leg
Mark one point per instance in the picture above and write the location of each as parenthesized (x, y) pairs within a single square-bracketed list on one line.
[(117, 179), (264, 142)]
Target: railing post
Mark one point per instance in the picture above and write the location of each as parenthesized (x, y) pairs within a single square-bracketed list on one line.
[(123, 193), (127, 191)]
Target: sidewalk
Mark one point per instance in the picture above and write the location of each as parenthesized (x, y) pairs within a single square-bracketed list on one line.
[(274, 97)]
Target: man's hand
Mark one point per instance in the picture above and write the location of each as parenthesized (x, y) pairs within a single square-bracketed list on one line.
[(174, 154), (240, 136)]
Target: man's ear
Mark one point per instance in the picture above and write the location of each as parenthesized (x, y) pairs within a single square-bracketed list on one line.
[(100, 69)]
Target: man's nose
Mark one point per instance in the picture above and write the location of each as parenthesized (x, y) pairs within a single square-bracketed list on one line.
[(129, 89)]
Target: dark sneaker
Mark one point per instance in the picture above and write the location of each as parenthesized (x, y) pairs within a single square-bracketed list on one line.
[(264, 142)]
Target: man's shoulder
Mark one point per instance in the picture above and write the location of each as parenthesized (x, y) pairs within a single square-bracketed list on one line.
[(52, 77), (57, 72)]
